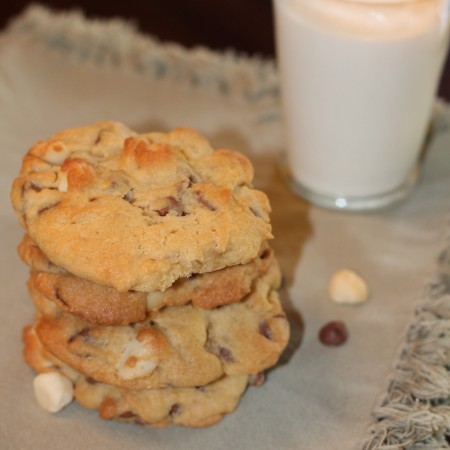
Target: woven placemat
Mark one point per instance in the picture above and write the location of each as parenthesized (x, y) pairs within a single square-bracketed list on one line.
[(415, 412)]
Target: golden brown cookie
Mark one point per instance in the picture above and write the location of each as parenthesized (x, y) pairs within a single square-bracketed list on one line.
[(89, 301), (214, 289), (33, 256), (193, 406), (139, 211), (199, 406), (107, 306), (181, 346)]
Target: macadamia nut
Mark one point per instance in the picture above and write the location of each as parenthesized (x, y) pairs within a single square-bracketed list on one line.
[(53, 391), (347, 287)]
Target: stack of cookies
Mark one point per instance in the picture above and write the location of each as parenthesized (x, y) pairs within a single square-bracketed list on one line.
[(154, 284)]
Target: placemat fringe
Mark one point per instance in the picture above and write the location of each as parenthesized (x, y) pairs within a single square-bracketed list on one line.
[(119, 44), (415, 412)]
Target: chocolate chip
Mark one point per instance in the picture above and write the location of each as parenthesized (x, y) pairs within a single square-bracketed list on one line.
[(35, 187), (127, 415), (83, 333), (201, 388), (163, 212), (129, 196), (91, 380), (174, 205), (257, 379), (175, 408), (192, 180), (59, 296), (139, 421), (205, 202), (225, 354), (46, 208), (333, 333), (99, 136), (265, 330)]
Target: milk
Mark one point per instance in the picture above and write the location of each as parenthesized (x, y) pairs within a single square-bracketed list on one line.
[(358, 86)]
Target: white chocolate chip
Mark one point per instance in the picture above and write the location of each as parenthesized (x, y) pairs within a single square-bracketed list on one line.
[(57, 154), (136, 361), (346, 286), (53, 391), (155, 300)]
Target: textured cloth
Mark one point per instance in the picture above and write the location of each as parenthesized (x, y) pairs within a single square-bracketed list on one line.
[(59, 71)]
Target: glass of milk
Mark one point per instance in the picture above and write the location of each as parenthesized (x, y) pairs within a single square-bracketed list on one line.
[(358, 85)]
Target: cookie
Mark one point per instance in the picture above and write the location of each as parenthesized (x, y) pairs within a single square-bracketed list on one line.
[(89, 301), (181, 346), (33, 256), (106, 306), (195, 406), (213, 289), (139, 211)]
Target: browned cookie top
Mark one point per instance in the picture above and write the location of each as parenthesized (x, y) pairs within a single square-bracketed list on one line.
[(138, 211)]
